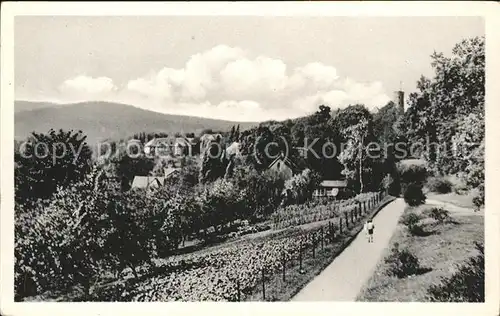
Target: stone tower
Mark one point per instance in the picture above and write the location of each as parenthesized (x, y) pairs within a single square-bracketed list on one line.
[(399, 100)]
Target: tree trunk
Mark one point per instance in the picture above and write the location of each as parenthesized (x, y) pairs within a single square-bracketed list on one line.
[(361, 166)]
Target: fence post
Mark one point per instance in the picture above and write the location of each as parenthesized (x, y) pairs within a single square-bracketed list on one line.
[(346, 220), (332, 234), (238, 289), (340, 225), (352, 216), (284, 266), (313, 244), (364, 206), (263, 286), (322, 243), (300, 257)]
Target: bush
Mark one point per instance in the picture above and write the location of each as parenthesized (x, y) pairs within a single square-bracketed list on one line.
[(413, 195), (439, 214), (466, 285), (478, 200), (412, 174), (440, 185), (411, 221), (402, 263)]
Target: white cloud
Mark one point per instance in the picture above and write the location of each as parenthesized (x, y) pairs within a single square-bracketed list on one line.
[(88, 85), (228, 83)]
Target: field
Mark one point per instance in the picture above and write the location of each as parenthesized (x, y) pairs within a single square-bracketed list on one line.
[(445, 246), (281, 261)]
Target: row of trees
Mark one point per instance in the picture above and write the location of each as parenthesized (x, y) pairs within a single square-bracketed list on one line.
[(80, 208)]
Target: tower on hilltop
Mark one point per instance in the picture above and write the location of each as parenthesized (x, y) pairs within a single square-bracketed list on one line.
[(399, 100)]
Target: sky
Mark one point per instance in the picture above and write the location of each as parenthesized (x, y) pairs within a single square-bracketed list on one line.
[(236, 68)]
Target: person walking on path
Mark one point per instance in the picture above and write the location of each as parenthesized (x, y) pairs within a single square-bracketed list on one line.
[(369, 227)]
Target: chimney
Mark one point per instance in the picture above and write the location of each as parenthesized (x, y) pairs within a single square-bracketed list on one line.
[(399, 100)]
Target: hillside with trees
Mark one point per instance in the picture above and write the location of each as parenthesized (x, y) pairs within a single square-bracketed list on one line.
[(84, 211)]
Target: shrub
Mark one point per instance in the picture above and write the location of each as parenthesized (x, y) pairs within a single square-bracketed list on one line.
[(478, 200), (466, 285), (402, 263), (439, 214), (440, 185), (411, 221), (413, 195), (412, 174)]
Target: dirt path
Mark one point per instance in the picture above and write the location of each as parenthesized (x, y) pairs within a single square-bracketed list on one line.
[(454, 209), (345, 276)]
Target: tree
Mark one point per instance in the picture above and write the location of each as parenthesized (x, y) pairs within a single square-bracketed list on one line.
[(455, 91), (60, 244), (46, 161), (352, 157), (300, 187)]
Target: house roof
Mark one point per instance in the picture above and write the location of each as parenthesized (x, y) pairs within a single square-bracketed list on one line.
[(183, 141), (234, 148), (170, 171), (333, 183), (145, 182), (163, 141), (286, 160)]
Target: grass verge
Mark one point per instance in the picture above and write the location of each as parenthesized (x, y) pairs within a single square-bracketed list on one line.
[(441, 250)]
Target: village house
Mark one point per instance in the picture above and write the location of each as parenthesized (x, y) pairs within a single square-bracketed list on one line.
[(147, 182), (153, 182), (177, 146), (283, 167), (330, 189)]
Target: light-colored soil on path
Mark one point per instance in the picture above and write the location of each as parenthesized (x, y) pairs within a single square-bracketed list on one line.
[(343, 279)]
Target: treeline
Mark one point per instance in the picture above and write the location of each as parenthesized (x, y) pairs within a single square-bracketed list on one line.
[(77, 212)]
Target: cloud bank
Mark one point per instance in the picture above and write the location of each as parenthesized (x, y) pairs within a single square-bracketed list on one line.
[(229, 83)]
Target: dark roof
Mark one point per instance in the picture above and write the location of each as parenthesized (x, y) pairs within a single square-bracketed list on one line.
[(333, 183)]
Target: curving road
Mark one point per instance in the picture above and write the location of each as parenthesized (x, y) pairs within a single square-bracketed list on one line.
[(343, 279)]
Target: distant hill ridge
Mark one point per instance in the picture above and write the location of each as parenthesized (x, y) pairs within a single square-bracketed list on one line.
[(107, 120)]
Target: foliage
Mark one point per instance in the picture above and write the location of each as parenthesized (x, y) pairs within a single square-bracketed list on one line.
[(448, 110), (478, 200), (317, 210), (61, 243), (353, 157), (465, 285), (439, 214), (391, 184), (402, 263), (413, 195), (218, 274), (46, 161), (213, 162), (300, 187), (261, 191), (439, 185), (411, 220), (412, 174)]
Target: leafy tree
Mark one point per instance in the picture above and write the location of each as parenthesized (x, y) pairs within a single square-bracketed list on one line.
[(436, 110), (353, 157), (300, 187), (60, 244), (413, 195), (46, 161)]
